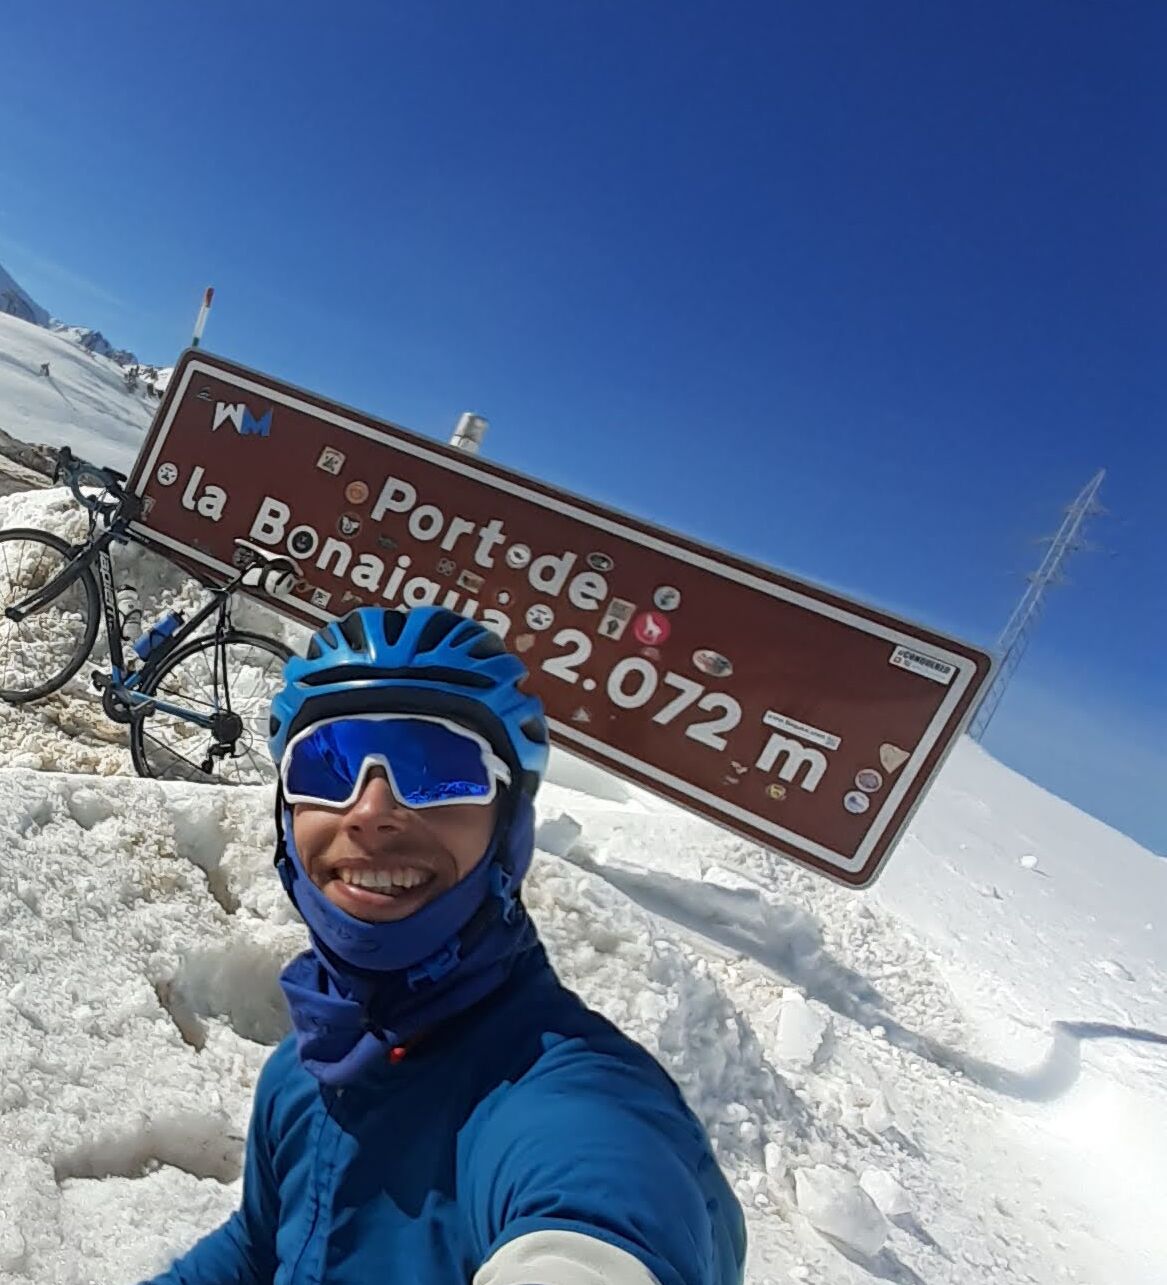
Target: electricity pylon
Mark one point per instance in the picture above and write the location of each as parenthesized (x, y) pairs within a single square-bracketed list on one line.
[(1015, 636)]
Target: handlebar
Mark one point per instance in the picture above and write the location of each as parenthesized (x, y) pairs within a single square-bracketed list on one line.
[(274, 574), (74, 472)]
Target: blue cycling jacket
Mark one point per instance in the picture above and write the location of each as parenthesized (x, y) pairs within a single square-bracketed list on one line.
[(525, 1142)]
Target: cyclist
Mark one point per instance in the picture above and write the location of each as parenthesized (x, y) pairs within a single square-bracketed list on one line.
[(446, 1111)]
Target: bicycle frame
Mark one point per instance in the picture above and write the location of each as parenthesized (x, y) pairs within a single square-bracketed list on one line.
[(124, 682)]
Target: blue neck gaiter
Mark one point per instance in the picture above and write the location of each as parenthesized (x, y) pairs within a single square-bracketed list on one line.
[(365, 988)]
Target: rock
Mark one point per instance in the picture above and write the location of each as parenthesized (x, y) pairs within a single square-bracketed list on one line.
[(836, 1205), (39, 458)]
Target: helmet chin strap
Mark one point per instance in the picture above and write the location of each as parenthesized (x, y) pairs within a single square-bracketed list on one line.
[(406, 943)]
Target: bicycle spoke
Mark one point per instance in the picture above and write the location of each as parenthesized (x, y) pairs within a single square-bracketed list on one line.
[(185, 697), (234, 675), (175, 696), (211, 677), (39, 559), (253, 694), (266, 671), (195, 767), (20, 564)]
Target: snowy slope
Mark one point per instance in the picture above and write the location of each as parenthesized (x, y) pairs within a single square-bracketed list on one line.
[(83, 403), (1047, 919), (880, 1073)]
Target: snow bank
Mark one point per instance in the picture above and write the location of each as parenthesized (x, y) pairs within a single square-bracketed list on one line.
[(879, 1074)]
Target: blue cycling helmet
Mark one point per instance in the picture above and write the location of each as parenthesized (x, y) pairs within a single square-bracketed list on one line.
[(429, 660)]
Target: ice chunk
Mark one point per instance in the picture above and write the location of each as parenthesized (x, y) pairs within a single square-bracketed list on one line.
[(878, 1116), (836, 1205), (800, 1031), (883, 1188), (557, 835)]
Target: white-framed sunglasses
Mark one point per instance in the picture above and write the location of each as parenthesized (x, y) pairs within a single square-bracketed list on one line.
[(430, 761)]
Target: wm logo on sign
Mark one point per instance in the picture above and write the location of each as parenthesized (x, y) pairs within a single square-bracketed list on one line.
[(246, 425)]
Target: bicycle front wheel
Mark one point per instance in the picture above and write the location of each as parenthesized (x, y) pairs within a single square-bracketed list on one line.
[(231, 679), (40, 653)]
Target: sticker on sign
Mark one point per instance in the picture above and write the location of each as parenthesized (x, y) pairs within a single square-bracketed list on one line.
[(939, 671), (808, 733), (685, 692)]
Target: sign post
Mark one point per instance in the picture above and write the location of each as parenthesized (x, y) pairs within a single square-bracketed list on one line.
[(789, 714)]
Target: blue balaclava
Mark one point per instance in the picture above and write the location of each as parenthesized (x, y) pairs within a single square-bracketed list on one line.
[(365, 988)]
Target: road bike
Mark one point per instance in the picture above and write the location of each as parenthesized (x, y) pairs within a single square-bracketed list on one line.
[(195, 700)]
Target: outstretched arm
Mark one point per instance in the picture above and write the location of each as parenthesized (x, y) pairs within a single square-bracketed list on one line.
[(593, 1172)]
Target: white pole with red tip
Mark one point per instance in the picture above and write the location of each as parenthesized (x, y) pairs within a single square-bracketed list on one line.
[(201, 320)]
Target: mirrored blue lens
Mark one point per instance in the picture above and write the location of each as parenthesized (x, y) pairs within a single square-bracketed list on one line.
[(429, 763)]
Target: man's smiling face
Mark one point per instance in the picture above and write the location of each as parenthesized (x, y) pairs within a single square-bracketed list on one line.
[(379, 860)]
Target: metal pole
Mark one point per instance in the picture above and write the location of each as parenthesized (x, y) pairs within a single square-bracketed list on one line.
[(201, 319)]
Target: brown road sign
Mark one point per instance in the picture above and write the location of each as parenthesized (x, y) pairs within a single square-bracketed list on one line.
[(789, 714)]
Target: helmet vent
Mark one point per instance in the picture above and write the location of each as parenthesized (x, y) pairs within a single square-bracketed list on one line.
[(394, 622), (315, 651), (487, 645), (353, 630), (534, 729), (439, 626)]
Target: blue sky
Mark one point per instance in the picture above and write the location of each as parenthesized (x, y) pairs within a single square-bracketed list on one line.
[(866, 291)]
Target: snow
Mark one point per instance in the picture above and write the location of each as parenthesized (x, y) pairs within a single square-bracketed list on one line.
[(83, 403), (958, 1077)]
